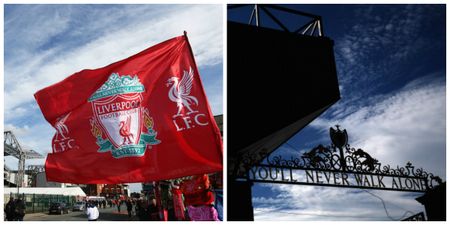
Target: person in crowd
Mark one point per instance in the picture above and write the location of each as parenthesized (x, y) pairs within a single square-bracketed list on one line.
[(133, 208), (177, 201), (129, 207), (217, 184), (19, 209), (199, 198), (171, 210), (92, 212), (152, 210), (118, 205), (142, 211), (10, 210)]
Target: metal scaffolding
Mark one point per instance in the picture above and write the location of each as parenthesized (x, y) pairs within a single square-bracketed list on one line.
[(13, 148)]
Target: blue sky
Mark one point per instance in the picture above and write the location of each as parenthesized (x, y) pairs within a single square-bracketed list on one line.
[(391, 68), (46, 43)]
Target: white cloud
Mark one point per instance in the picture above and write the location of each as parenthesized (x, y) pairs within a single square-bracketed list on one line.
[(374, 47), (299, 202), (45, 67), (35, 136), (406, 126), (17, 130), (42, 27)]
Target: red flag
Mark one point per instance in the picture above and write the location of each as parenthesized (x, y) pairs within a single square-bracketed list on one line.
[(144, 118)]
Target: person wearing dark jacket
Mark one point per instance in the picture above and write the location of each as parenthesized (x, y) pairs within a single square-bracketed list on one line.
[(129, 207), (10, 209), (141, 211), (153, 211), (20, 209)]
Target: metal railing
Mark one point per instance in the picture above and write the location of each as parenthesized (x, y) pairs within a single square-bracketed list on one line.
[(36, 203)]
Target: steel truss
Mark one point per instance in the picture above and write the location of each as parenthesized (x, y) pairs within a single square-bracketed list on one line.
[(13, 148), (312, 28)]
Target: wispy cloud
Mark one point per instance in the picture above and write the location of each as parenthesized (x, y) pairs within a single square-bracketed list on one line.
[(407, 125), (298, 202), (47, 66), (377, 46)]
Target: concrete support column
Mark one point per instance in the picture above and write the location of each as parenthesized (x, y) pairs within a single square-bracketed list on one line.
[(434, 202), (240, 207)]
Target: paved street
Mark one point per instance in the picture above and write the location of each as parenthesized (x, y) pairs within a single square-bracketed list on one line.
[(108, 214)]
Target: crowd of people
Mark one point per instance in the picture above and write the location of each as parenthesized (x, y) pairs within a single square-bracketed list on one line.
[(15, 209), (100, 204), (196, 198)]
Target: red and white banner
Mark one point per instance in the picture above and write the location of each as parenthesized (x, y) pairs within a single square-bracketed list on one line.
[(144, 118)]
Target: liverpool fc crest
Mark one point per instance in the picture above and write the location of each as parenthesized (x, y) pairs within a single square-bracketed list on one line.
[(120, 124)]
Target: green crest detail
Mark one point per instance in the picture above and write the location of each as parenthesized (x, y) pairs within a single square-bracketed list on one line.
[(118, 85)]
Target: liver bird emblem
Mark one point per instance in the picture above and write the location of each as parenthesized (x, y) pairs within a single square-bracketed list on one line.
[(61, 127), (125, 131), (180, 92)]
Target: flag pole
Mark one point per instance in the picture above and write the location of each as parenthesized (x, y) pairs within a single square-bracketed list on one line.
[(189, 44)]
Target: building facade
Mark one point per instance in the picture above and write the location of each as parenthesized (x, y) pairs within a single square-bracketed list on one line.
[(115, 191)]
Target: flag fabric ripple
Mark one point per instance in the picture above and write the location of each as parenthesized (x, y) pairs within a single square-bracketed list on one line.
[(141, 119)]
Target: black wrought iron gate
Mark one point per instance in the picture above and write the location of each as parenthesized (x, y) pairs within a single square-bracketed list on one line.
[(337, 165)]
